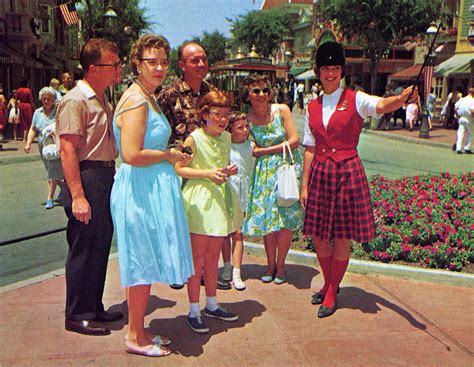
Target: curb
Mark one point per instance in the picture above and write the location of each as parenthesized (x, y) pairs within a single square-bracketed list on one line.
[(300, 257), (407, 139), (20, 158), (375, 268)]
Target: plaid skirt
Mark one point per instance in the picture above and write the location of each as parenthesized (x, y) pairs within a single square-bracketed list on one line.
[(338, 204)]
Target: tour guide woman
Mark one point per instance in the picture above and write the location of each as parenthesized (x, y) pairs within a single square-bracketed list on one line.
[(334, 188)]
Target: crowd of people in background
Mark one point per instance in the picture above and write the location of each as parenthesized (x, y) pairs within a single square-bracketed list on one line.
[(196, 176)]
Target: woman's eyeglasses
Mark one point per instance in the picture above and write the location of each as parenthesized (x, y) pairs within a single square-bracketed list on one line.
[(154, 63), (258, 90)]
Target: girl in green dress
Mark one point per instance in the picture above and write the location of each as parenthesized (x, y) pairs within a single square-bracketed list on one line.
[(211, 205)]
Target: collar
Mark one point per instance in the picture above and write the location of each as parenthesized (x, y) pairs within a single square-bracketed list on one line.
[(86, 89), (337, 92)]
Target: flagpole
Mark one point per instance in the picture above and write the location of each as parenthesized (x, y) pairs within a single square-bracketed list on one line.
[(57, 6)]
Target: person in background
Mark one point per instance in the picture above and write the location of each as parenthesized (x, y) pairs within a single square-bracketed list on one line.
[(271, 126), (14, 115), (26, 106), (54, 83), (412, 111), (88, 152), (334, 191), (384, 121), (465, 111), (67, 83), (146, 203), (431, 107), (3, 113), (300, 95), (448, 108), (44, 120), (212, 206), (241, 151)]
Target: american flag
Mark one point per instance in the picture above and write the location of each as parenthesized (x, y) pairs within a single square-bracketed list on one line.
[(68, 10), (428, 76)]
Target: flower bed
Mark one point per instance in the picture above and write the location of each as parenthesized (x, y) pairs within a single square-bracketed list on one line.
[(424, 219)]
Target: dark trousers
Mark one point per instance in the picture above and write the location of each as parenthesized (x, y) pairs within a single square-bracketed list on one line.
[(89, 245)]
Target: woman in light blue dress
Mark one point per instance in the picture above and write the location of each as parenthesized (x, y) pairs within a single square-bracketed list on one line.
[(44, 120), (271, 125), (146, 202)]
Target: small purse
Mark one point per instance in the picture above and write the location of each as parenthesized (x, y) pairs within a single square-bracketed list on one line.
[(288, 191), (50, 150)]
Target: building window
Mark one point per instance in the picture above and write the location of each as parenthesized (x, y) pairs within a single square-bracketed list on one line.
[(438, 87)]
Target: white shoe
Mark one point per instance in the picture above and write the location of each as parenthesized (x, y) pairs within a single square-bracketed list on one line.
[(238, 284)]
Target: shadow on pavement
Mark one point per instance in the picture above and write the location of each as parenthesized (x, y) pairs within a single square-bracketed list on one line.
[(153, 304), (299, 276), (359, 299), (190, 344)]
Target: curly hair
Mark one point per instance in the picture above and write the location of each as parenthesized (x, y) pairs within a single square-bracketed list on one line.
[(234, 117), (215, 99), (252, 79), (47, 90), (146, 42)]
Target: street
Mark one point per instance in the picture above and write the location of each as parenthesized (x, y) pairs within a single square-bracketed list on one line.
[(23, 193)]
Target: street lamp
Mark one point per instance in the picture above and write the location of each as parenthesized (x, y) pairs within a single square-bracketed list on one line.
[(110, 16), (430, 60), (287, 57)]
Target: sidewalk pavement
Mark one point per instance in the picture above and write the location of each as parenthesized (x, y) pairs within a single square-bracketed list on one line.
[(381, 321)]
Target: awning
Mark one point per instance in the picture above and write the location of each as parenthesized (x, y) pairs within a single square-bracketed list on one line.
[(457, 65), (407, 74), (8, 56), (297, 70), (308, 74), (48, 60)]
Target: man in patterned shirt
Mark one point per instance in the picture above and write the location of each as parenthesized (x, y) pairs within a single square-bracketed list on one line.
[(179, 100)]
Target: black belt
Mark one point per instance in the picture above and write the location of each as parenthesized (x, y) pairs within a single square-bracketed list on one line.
[(96, 164)]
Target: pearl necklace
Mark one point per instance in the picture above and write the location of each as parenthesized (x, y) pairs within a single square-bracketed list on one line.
[(264, 116), (145, 89)]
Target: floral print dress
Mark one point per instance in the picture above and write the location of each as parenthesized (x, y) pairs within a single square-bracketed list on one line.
[(263, 215)]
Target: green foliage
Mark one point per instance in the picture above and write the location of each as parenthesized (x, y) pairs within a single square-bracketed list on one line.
[(129, 14), (376, 24), (215, 44), (260, 28)]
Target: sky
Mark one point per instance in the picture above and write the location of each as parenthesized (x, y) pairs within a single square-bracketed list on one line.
[(180, 20)]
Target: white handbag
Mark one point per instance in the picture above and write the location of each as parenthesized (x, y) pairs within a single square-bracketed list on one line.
[(288, 191), (50, 150)]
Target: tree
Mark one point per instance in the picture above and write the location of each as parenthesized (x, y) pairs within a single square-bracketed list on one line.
[(264, 29), (377, 24), (215, 44), (130, 23)]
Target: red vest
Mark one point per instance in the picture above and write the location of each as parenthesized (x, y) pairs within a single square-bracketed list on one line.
[(339, 141)]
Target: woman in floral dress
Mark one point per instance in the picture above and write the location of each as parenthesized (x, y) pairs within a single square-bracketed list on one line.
[(271, 125)]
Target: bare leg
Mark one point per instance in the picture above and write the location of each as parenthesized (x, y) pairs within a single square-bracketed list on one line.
[(199, 246), (270, 241), (211, 263), (137, 303), (237, 249), (283, 245)]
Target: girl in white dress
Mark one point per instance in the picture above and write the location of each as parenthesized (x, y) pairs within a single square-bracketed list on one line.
[(241, 155)]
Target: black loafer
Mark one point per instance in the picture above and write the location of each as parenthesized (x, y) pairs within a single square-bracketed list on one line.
[(108, 316), (467, 151), (223, 285), (325, 312), (317, 298), (86, 327), (176, 286)]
